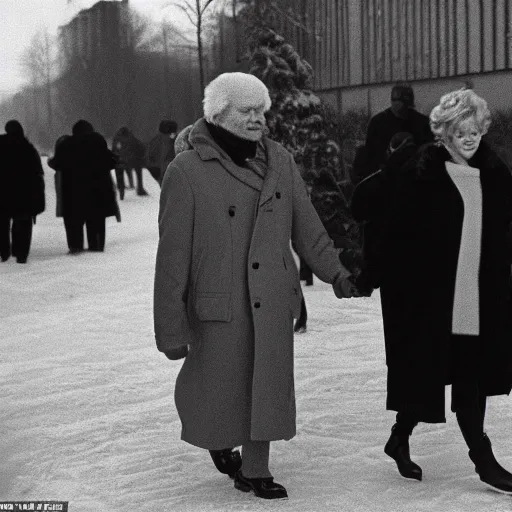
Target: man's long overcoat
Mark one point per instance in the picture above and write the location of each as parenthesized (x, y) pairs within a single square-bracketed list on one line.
[(227, 285)]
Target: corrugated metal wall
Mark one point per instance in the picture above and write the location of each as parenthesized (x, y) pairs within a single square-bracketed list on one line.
[(363, 42)]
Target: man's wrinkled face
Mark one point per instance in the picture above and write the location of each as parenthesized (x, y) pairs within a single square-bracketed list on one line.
[(244, 117)]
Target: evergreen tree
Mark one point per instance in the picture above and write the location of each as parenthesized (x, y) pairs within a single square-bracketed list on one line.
[(306, 126)]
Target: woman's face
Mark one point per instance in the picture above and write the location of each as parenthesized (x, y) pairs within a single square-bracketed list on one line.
[(465, 138)]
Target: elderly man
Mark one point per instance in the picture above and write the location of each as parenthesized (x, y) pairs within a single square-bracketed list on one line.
[(226, 285)]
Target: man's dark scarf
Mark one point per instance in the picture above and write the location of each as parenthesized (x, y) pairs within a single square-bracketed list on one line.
[(238, 149)]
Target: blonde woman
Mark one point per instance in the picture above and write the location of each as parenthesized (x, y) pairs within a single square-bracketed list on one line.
[(446, 286)]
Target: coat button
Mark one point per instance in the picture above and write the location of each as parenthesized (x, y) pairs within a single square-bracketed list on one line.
[(256, 265), (278, 195), (257, 305), (231, 211)]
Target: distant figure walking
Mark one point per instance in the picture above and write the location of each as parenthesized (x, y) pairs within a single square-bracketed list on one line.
[(372, 201), (399, 117), (161, 151), (22, 193), (130, 152), (87, 190), (58, 177)]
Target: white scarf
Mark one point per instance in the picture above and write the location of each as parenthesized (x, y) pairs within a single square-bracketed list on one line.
[(466, 317)]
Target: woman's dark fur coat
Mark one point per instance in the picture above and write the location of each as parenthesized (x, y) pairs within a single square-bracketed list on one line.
[(424, 215)]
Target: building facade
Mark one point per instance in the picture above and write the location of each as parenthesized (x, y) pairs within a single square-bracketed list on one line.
[(95, 31), (359, 48)]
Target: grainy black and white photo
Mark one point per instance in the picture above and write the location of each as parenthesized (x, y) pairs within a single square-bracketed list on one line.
[(256, 254)]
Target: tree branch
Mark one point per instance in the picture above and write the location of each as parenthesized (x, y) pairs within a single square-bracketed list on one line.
[(205, 7), (186, 11)]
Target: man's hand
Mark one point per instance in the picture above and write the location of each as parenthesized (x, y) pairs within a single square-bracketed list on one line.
[(177, 353), (344, 288)]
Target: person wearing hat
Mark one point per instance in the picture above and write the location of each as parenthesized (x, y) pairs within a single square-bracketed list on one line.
[(87, 189), (160, 151), (401, 116)]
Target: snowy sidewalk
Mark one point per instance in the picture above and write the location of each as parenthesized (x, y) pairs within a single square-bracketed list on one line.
[(88, 416)]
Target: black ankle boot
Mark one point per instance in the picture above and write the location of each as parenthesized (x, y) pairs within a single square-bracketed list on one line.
[(488, 468), (261, 487), (397, 448), (227, 461)]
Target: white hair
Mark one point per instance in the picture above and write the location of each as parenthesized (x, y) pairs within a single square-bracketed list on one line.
[(219, 93), (455, 107)]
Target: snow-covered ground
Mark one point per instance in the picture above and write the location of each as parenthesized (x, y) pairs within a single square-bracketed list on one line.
[(87, 412)]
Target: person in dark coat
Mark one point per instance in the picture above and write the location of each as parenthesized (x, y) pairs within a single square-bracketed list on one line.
[(371, 203), (22, 192), (88, 193), (161, 151), (446, 287), (58, 177), (399, 117), (226, 286), (130, 152)]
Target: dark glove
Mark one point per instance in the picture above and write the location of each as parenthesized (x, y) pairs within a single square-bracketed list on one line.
[(177, 353), (363, 284), (344, 288)]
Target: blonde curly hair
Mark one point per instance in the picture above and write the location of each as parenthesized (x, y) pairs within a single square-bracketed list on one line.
[(455, 107)]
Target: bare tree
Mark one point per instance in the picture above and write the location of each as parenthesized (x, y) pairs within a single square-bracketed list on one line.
[(195, 11), (39, 61), (171, 41)]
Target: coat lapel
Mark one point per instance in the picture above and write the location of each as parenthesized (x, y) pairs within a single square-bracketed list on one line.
[(207, 149), (275, 162)]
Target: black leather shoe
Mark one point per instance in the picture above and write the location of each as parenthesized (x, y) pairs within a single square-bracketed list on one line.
[(227, 461), (488, 468), (397, 448), (261, 487)]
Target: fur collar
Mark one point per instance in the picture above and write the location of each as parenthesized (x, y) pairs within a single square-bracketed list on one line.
[(430, 161)]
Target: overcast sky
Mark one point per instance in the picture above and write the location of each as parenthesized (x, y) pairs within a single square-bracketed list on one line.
[(21, 19)]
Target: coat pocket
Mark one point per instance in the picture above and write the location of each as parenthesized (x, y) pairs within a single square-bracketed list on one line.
[(213, 307)]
